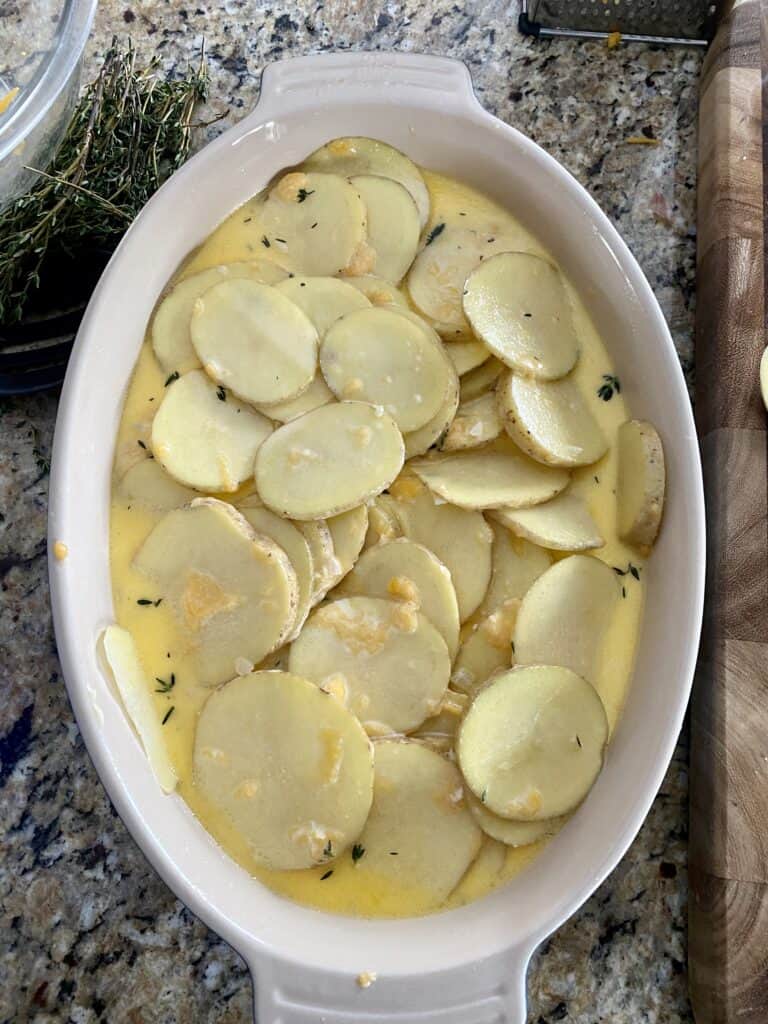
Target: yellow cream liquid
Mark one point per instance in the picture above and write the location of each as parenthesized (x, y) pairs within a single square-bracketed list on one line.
[(352, 889)]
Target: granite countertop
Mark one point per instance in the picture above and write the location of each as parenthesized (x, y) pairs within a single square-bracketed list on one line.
[(88, 932)]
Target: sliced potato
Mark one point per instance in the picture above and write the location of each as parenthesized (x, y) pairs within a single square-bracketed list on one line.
[(239, 330), (518, 305), (483, 873), (511, 833), (323, 299), (490, 479), (405, 571), (487, 649), (531, 745), (329, 460), (467, 355), (642, 481), (381, 356), (326, 566), (476, 423), (515, 564), (565, 614), (418, 442), (562, 524), (204, 442), (550, 421), (419, 834), (234, 592), (481, 380), (378, 291), (439, 731), (393, 224), (461, 539), (316, 225), (392, 661), (289, 766), (146, 483), (357, 155), (318, 393), (135, 691), (294, 544), (348, 532), (383, 524), (171, 340)]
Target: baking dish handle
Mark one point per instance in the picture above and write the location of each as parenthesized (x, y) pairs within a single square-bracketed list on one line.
[(315, 81), (491, 991)]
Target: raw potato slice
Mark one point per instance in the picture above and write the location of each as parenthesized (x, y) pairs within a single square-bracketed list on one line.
[(253, 340), (378, 291), (147, 484), (461, 539), (439, 731), (565, 614), (289, 766), (234, 591), (642, 482), (486, 650), (476, 422), (467, 355), (391, 661), (393, 224), (478, 382), (436, 280), (490, 479), (563, 524), (323, 299), (296, 547), (171, 339), (358, 155), (204, 442), (318, 393), (329, 460), (136, 694), (316, 224), (531, 745), (518, 305), (515, 565), (419, 814), (511, 833), (348, 532), (382, 356), (418, 442), (383, 524), (482, 873), (550, 420), (405, 571), (326, 566)]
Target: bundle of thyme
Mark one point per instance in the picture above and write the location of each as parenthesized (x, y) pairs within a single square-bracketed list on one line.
[(129, 132)]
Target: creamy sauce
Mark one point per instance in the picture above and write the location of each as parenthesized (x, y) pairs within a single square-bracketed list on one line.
[(352, 888)]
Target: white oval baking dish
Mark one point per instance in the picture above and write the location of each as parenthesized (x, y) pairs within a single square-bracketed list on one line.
[(466, 966)]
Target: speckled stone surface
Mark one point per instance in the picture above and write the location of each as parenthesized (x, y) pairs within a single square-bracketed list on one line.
[(87, 931)]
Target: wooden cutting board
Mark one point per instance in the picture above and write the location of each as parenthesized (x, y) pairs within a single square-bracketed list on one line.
[(728, 911)]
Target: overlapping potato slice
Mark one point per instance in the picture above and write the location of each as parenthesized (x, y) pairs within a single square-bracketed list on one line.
[(289, 766), (550, 420), (171, 340), (487, 649), (511, 833), (460, 538), (564, 615), (357, 155), (378, 291), (134, 688), (146, 483), (294, 544), (483, 873), (348, 532), (253, 340), (439, 730), (318, 393), (405, 571), (480, 381), (490, 478), (393, 224), (326, 566), (392, 662), (515, 565), (531, 745), (381, 356), (518, 305), (383, 524), (562, 524), (467, 355), (418, 442), (234, 592), (419, 834), (315, 224), (323, 299), (437, 276), (204, 441), (475, 423), (642, 482)]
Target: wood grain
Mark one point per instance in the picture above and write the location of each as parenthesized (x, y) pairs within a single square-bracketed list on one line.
[(728, 909)]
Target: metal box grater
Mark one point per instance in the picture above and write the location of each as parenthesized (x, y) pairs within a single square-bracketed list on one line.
[(689, 22)]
